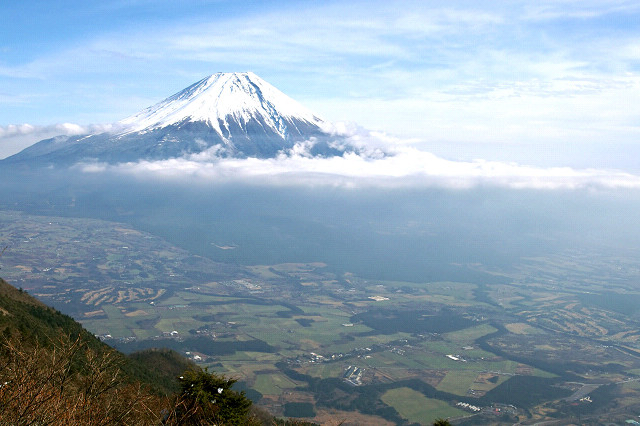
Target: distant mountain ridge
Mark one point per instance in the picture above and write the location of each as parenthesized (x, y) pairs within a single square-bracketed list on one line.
[(225, 115)]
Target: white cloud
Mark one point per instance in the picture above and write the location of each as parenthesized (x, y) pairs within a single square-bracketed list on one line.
[(16, 137), (67, 129), (405, 167), (557, 9), (13, 129)]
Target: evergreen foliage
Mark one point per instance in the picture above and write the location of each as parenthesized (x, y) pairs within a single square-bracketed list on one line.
[(299, 409), (167, 366), (207, 399)]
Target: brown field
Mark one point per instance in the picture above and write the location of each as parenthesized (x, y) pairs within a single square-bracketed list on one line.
[(347, 418), (136, 313), (518, 328)]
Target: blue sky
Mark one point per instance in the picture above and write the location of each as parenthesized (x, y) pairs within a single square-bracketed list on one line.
[(544, 82)]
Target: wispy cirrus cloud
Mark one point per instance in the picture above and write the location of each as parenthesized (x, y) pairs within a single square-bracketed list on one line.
[(552, 9)]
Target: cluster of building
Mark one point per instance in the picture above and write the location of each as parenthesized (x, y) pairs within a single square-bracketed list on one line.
[(353, 375), (104, 337), (194, 356), (469, 406), (456, 357), (254, 287), (316, 357)]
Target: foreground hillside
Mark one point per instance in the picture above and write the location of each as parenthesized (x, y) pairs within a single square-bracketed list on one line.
[(32, 324), (52, 371)]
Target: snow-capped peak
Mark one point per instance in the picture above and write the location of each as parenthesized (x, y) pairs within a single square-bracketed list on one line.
[(223, 101)]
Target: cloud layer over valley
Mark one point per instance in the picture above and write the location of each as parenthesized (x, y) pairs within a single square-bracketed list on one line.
[(380, 161)]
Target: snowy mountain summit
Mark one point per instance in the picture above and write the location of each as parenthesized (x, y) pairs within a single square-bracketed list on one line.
[(224, 115), (228, 102)]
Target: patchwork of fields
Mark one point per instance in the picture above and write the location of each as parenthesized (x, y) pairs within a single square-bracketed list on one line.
[(516, 343)]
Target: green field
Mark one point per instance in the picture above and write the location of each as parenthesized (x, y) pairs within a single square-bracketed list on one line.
[(470, 334), (273, 384), (458, 381), (415, 407)]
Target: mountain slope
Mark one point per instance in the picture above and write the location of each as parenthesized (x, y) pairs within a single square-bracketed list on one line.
[(34, 324), (224, 115), (52, 372), (225, 101)]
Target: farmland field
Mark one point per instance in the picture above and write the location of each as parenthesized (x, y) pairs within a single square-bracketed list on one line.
[(415, 407)]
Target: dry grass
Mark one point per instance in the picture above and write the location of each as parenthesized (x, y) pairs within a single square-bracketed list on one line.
[(51, 386)]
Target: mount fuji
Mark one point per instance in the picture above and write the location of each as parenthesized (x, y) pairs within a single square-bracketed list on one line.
[(226, 114)]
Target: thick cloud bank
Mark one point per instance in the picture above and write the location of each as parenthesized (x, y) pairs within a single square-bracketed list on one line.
[(378, 161)]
